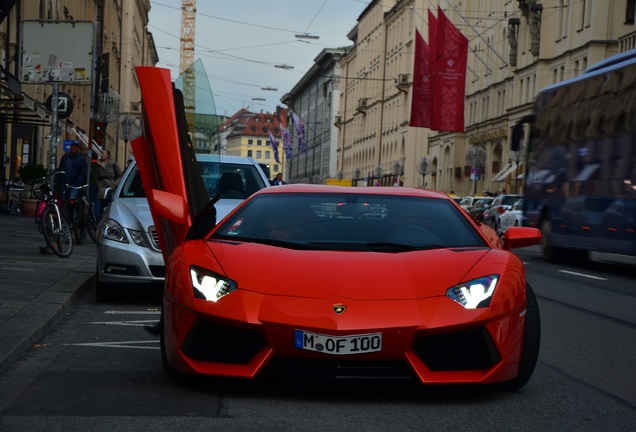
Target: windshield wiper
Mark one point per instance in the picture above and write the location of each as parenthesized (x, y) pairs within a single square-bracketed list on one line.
[(270, 242), (372, 246)]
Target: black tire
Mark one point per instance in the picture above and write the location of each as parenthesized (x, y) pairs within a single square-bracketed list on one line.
[(75, 219), (170, 371), (57, 233), (531, 343), (91, 225), (102, 292), (557, 254), (550, 253)]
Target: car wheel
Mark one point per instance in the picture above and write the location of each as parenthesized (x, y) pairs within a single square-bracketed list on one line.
[(102, 292), (498, 229), (531, 343), (557, 254), (549, 251), (170, 371)]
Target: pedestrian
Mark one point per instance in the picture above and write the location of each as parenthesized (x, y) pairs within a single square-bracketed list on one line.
[(110, 179), (278, 180), (97, 171), (75, 169)]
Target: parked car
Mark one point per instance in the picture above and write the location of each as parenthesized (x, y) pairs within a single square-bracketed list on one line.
[(475, 205), (499, 206), (128, 251), (511, 218), (480, 205), (334, 280)]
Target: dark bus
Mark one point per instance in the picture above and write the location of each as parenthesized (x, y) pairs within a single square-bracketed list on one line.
[(580, 167)]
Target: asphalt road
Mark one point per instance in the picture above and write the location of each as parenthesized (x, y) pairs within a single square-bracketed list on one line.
[(99, 370)]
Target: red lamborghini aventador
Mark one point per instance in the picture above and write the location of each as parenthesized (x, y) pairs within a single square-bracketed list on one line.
[(328, 280)]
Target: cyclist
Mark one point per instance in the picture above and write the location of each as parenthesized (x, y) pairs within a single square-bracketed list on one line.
[(75, 168)]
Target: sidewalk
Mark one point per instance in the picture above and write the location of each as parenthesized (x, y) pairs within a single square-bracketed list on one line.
[(36, 290)]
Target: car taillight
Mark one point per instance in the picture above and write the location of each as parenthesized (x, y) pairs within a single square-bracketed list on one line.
[(501, 210)]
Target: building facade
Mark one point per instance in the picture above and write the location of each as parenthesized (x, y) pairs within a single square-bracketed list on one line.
[(121, 42), (516, 47), (247, 134), (315, 99)]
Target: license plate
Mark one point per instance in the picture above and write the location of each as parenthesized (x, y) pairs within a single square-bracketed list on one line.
[(338, 345)]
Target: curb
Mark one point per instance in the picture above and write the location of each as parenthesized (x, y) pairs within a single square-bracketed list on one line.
[(38, 318)]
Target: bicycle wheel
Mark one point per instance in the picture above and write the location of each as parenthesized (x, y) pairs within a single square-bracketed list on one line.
[(57, 233), (91, 225), (75, 220)]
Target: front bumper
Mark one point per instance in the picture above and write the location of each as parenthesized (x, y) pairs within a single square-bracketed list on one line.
[(430, 340)]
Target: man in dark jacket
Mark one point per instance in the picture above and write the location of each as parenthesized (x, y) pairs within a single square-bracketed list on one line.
[(75, 168)]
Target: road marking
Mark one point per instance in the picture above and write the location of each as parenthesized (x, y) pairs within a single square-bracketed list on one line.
[(149, 312), (122, 344), (138, 323), (582, 275)]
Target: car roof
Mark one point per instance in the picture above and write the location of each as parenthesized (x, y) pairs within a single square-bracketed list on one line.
[(376, 190), (203, 157)]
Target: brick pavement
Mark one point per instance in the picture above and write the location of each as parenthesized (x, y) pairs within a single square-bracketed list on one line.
[(36, 290)]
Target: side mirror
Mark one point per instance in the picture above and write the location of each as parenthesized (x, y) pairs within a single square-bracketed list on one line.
[(517, 237), (106, 194)]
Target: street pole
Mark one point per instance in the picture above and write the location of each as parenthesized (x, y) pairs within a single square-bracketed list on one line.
[(54, 109)]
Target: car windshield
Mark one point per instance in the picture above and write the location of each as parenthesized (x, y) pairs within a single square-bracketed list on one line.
[(510, 199), (517, 206), (481, 203), (345, 221), (236, 180), (232, 181)]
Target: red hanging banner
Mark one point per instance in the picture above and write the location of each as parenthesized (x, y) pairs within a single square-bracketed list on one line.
[(449, 75), (421, 97)]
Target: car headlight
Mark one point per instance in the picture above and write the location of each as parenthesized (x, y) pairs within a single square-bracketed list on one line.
[(475, 293), (138, 237), (112, 230), (210, 286)]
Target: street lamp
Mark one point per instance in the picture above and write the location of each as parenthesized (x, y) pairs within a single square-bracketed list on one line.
[(377, 172), (128, 129), (476, 158), (397, 170), (422, 168), (307, 36), (283, 66)]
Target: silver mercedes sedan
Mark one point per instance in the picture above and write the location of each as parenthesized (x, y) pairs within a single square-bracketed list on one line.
[(128, 251)]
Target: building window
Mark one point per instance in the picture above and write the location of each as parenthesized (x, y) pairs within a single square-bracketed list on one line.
[(249, 153), (631, 11), (259, 142), (259, 154), (267, 154), (250, 142)]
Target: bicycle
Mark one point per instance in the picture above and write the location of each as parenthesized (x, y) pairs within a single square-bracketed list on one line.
[(81, 215), (52, 222)]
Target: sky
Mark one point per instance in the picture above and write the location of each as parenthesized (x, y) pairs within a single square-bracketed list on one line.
[(241, 41)]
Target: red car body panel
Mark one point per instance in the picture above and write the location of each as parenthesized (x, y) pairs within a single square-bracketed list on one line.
[(162, 170)]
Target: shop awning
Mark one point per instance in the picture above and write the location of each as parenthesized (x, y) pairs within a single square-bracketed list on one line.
[(505, 172)]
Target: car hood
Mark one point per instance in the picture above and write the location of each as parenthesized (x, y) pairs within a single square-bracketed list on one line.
[(359, 275), (132, 213)]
